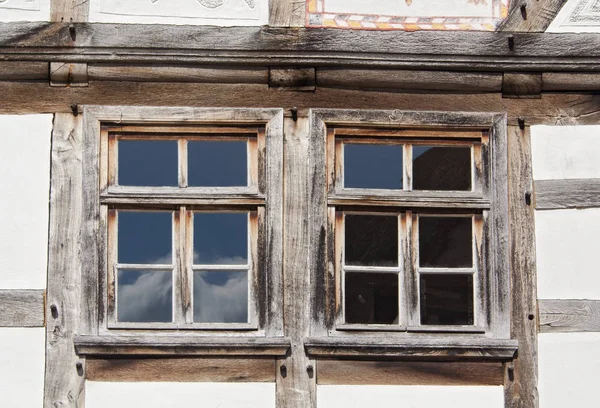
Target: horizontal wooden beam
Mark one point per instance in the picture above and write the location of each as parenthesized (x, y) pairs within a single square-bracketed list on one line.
[(21, 308), (331, 372), (264, 46), (179, 369), (566, 315), (572, 193)]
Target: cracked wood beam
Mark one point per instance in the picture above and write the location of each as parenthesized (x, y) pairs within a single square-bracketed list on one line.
[(532, 16)]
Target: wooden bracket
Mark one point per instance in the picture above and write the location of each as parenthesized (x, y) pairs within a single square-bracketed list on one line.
[(293, 79), (522, 85), (68, 74)]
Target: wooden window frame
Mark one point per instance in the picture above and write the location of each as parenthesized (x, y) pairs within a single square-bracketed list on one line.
[(99, 331), (486, 203)]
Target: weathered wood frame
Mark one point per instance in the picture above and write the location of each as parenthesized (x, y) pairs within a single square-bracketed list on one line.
[(492, 200), (265, 198)]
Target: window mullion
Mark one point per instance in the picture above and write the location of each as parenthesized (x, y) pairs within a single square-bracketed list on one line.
[(408, 170), (182, 173), (179, 276), (411, 273)]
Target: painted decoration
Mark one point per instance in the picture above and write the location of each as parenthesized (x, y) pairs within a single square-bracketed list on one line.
[(210, 9), (577, 16), (33, 5), (483, 15)]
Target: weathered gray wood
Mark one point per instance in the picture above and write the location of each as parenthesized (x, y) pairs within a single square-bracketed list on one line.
[(532, 16), (522, 85), (23, 71), (574, 81), (388, 79), (568, 315), (296, 389), (287, 13), (21, 308), (297, 79), (64, 386), (256, 46), (408, 373), (181, 345), (573, 193), (521, 378), (438, 347), (69, 11), (68, 74), (195, 369)]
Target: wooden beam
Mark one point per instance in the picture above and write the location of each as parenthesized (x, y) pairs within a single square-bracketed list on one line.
[(294, 79), (522, 85), (574, 81), (521, 377), (330, 372), (568, 315), (572, 193), (68, 74), (181, 369), (21, 308), (23, 71), (64, 382), (68, 11), (287, 13), (532, 16)]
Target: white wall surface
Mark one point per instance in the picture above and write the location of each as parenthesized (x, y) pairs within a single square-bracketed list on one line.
[(565, 152), (24, 10), (577, 16), (24, 195), (180, 395), (190, 12), (569, 369), (376, 396), (22, 360), (567, 245)]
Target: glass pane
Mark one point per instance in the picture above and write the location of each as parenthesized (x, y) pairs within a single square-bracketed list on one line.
[(371, 298), (446, 299), (220, 238), (373, 166), (446, 242), (221, 297), (371, 240), (441, 168), (148, 163), (217, 163), (144, 296), (144, 237)]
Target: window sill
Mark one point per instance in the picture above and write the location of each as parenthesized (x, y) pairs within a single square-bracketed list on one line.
[(447, 348), (180, 345)]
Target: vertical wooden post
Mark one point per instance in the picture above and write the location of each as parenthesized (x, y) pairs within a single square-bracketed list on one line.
[(521, 376), (69, 11), (64, 380), (296, 382), (287, 13)]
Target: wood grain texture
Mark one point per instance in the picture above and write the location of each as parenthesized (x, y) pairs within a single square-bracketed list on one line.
[(64, 386), (23, 71), (532, 16), (287, 13), (331, 372), (522, 85), (521, 378), (569, 315), (574, 81), (21, 308), (572, 193), (68, 74), (69, 10), (181, 369), (297, 79)]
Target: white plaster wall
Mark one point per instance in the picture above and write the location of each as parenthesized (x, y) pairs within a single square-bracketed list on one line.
[(185, 12), (22, 360), (565, 152), (567, 244), (24, 190), (24, 10), (180, 395), (569, 369), (361, 396)]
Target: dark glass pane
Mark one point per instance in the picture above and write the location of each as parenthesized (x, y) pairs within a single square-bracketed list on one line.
[(148, 163), (441, 168), (446, 299), (217, 163), (221, 238), (144, 237), (373, 166), (445, 242), (221, 296), (371, 298), (371, 240), (145, 296)]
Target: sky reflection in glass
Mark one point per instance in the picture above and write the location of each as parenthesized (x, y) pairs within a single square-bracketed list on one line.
[(220, 296), (144, 237), (220, 238), (144, 296), (148, 163), (373, 166), (217, 163)]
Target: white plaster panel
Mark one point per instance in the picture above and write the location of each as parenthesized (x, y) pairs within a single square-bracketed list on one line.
[(415, 8), (361, 396), (180, 395), (24, 10), (565, 152), (190, 12), (567, 243), (577, 16), (22, 361), (24, 195), (569, 368)]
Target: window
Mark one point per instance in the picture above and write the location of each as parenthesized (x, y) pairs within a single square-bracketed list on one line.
[(189, 233), (416, 218)]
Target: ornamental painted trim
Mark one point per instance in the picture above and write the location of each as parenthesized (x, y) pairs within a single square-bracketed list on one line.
[(318, 16)]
